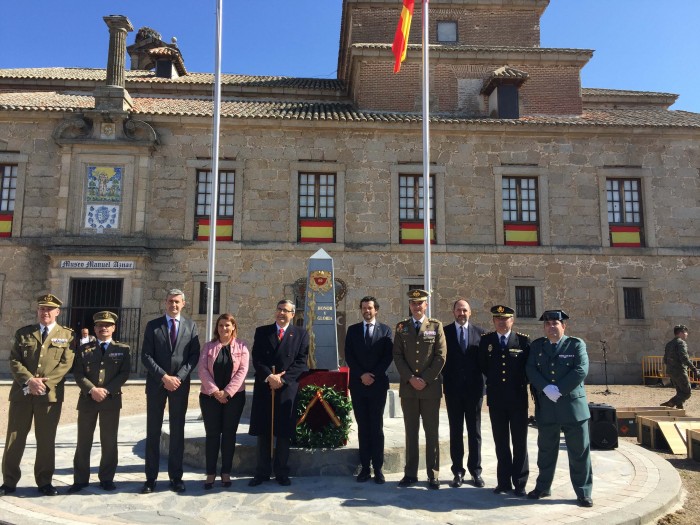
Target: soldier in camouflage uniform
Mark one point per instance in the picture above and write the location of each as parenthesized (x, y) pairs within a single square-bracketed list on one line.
[(677, 364)]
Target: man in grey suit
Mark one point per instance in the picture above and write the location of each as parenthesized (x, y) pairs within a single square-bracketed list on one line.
[(170, 352), (556, 367)]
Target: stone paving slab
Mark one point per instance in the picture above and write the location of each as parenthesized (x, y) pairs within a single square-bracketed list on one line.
[(631, 486)]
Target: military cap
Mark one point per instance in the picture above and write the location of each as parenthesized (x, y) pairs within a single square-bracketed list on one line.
[(105, 317), (418, 295), (554, 315), (502, 311), (49, 300)]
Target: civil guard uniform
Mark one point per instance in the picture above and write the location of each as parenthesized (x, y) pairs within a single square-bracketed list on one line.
[(104, 365), (502, 360)]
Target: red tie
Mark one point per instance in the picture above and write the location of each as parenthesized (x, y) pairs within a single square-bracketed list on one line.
[(281, 334)]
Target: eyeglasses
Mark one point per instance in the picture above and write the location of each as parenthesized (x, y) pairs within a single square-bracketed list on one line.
[(285, 311)]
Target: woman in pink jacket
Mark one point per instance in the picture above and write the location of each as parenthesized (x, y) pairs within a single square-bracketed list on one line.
[(223, 365)]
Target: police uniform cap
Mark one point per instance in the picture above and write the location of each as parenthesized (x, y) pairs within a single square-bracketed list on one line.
[(105, 317), (49, 300), (554, 315), (418, 295), (502, 311)]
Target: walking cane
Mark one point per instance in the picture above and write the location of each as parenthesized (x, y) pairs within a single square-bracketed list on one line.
[(272, 421)]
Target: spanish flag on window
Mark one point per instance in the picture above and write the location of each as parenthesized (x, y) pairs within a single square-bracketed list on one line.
[(5, 224), (402, 30), (224, 229)]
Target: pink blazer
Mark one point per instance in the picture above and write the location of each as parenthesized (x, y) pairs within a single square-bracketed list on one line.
[(207, 356)]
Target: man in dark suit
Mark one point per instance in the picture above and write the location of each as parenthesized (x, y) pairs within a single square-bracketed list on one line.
[(419, 355), (101, 368), (557, 367), (280, 353), (170, 351), (40, 358), (502, 358), (464, 393), (368, 349)]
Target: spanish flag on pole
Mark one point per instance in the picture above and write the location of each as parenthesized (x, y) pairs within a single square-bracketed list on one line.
[(401, 37)]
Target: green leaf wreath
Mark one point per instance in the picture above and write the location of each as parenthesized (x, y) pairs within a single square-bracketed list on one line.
[(320, 431)]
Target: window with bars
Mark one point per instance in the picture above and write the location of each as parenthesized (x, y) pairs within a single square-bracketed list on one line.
[(634, 304), (203, 298), (224, 220), (411, 209), (520, 211), (525, 304), (625, 215), (8, 186), (317, 202)]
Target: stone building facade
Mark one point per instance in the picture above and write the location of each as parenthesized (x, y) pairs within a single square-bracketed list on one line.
[(584, 199)]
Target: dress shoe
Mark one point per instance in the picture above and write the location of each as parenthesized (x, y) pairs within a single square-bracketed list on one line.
[(148, 487), (538, 494), (283, 480), (363, 476), (177, 485), (76, 487), (520, 492), (208, 486), (500, 489), (226, 480), (108, 485), (669, 404), (379, 478), (584, 501), (478, 481), (407, 481), (258, 480), (680, 406), (5, 490), (433, 483), (457, 481), (48, 490)]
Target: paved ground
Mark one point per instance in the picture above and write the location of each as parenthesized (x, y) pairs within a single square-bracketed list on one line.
[(631, 485)]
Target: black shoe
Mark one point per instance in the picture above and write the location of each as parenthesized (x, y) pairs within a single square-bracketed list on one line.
[(363, 476), (669, 404), (457, 481), (177, 485), (76, 487), (478, 481), (208, 486), (108, 485), (379, 477), (283, 480), (680, 406), (538, 494), (433, 483), (584, 502), (407, 481), (501, 490), (258, 480), (226, 483), (5, 490), (520, 492), (148, 487), (48, 490)]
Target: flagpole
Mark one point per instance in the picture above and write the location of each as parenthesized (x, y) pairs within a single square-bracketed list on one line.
[(426, 154), (213, 207)]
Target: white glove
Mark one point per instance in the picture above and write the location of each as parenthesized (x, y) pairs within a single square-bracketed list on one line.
[(552, 392)]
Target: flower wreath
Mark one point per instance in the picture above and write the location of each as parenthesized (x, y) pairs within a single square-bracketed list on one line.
[(323, 418)]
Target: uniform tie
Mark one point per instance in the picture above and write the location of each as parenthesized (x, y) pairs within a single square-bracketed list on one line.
[(173, 332), (417, 326), (44, 334), (280, 335), (504, 343), (104, 347)]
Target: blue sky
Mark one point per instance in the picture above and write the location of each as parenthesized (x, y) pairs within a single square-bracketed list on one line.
[(646, 45)]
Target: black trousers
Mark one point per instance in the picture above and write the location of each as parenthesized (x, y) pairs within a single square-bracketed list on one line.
[(510, 423), (460, 409), (369, 414), (220, 425), (265, 466), (177, 409)]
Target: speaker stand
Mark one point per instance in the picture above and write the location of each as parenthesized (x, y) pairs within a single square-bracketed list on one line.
[(607, 391)]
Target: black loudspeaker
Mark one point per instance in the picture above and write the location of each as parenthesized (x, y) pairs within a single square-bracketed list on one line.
[(603, 426)]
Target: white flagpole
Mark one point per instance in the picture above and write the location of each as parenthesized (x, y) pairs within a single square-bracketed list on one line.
[(213, 207), (426, 154)]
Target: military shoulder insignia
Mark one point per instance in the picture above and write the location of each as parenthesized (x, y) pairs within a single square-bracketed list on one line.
[(524, 335), (487, 333)]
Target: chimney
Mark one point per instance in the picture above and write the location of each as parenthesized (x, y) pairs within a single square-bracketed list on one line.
[(114, 96)]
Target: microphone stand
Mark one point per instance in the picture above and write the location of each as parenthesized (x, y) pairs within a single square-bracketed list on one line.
[(607, 391)]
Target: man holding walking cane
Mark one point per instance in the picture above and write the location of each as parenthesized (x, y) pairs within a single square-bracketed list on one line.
[(280, 351)]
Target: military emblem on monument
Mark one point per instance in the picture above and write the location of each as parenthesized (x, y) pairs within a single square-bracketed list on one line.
[(320, 281)]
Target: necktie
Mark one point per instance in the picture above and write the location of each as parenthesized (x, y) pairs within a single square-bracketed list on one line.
[(504, 343), (417, 326), (44, 334), (280, 335), (462, 339), (368, 338), (104, 347), (173, 332)]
